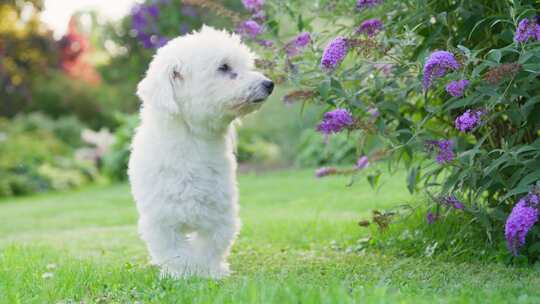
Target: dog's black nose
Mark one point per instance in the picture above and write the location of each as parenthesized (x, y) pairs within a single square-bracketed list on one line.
[(268, 86)]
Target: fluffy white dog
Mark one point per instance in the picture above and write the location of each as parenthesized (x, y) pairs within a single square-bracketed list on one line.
[(182, 166)]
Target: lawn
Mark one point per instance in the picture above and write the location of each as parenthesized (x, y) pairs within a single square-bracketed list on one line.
[(83, 247)]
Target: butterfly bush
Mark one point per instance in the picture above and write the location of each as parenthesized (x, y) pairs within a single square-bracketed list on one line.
[(250, 29), (522, 218), (253, 5), (437, 65), (334, 53), (444, 148), (335, 121), (456, 88), (365, 4), (370, 27), (143, 19), (325, 171), (458, 109), (298, 44), (362, 162), (468, 120), (527, 29)]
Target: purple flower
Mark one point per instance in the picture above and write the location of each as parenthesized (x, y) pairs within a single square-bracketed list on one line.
[(253, 5), (452, 201), (374, 113), (303, 39), (334, 53), (526, 30), (457, 87), (445, 153), (266, 43), (431, 218), (363, 4), (295, 46), (437, 65), (188, 10), (138, 18), (335, 121), (468, 120), (250, 28), (259, 16), (152, 10), (523, 216), (325, 171), (362, 162), (142, 17), (370, 27)]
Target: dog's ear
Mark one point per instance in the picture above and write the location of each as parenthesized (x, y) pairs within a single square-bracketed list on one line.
[(158, 86)]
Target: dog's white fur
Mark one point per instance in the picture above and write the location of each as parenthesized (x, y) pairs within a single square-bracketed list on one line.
[(182, 167)]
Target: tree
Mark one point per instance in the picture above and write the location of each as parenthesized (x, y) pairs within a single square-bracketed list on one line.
[(26, 49)]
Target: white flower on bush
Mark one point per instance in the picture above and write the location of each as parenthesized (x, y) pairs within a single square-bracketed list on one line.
[(3, 136), (100, 144)]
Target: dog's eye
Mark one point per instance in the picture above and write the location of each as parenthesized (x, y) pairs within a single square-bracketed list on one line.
[(224, 68)]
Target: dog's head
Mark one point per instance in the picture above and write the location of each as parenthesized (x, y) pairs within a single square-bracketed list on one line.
[(208, 77)]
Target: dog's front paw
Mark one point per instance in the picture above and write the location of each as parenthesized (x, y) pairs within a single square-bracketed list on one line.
[(220, 272), (186, 271)]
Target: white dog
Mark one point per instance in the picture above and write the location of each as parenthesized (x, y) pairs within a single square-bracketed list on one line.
[(182, 167)]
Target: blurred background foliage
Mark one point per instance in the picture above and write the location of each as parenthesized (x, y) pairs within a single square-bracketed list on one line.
[(68, 107)]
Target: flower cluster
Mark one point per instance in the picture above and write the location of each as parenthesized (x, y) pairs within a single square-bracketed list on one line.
[(452, 201), (468, 120), (431, 217), (362, 162), (253, 5), (437, 65), (456, 88), (445, 152), (250, 28), (523, 216), (142, 20), (497, 74), (363, 4), (297, 45), (325, 171), (370, 27), (526, 30), (334, 53), (373, 113), (335, 121)]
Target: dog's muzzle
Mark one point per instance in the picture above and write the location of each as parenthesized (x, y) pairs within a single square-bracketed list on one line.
[(267, 88)]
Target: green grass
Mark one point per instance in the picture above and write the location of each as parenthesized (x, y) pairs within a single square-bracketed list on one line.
[(83, 246)]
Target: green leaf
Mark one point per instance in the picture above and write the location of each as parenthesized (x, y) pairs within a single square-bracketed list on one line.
[(300, 23), (412, 178), (373, 179), (494, 55)]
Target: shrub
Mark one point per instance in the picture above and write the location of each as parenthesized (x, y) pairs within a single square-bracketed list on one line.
[(449, 90), (254, 148), (115, 163), (36, 155), (66, 128), (58, 95), (315, 150)]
